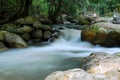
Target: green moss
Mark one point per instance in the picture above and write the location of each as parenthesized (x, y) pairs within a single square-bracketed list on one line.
[(96, 28), (9, 27)]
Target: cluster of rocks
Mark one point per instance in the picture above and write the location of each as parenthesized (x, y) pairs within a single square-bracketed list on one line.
[(97, 66), (22, 31)]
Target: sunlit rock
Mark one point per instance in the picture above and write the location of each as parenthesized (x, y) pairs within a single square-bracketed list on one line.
[(103, 63), (75, 74)]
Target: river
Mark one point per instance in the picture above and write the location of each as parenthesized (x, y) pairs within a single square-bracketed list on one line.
[(36, 62)]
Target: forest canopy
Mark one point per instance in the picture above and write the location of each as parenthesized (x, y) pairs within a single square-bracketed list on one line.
[(54, 9)]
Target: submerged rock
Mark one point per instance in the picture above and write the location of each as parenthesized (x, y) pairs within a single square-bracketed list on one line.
[(75, 74), (26, 20), (105, 34)]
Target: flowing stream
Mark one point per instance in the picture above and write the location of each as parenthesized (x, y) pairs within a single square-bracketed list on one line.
[(36, 62)]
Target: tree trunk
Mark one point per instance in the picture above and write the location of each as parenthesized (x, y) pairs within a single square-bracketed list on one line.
[(23, 8)]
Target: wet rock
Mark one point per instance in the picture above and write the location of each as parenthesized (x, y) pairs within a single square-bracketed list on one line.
[(105, 34), (37, 34), (75, 74), (23, 30), (36, 40), (103, 63), (14, 40), (2, 46), (25, 37), (47, 35)]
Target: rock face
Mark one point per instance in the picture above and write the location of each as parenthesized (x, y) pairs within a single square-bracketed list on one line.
[(105, 34), (75, 74), (14, 40), (104, 63)]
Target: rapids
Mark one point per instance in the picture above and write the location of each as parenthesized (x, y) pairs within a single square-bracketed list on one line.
[(36, 62)]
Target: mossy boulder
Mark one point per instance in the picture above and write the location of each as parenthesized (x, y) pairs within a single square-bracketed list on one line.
[(38, 25), (10, 27), (23, 30), (37, 34), (14, 41), (82, 20), (26, 37), (105, 34), (26, 20), (46, 27), (47, 35)]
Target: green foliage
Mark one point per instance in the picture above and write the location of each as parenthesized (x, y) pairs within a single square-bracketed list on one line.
[(39, 7), (53, 9)]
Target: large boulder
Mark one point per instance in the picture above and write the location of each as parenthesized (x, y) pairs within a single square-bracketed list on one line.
[(75, 74), (14, 40), (105, 34), (103, 63)]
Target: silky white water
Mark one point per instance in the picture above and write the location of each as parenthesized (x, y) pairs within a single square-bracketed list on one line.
[(36, 62)]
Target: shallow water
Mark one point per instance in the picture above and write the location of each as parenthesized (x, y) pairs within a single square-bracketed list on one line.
[(35, 62)]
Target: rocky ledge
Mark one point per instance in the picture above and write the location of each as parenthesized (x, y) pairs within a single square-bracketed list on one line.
[(97, 66)]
